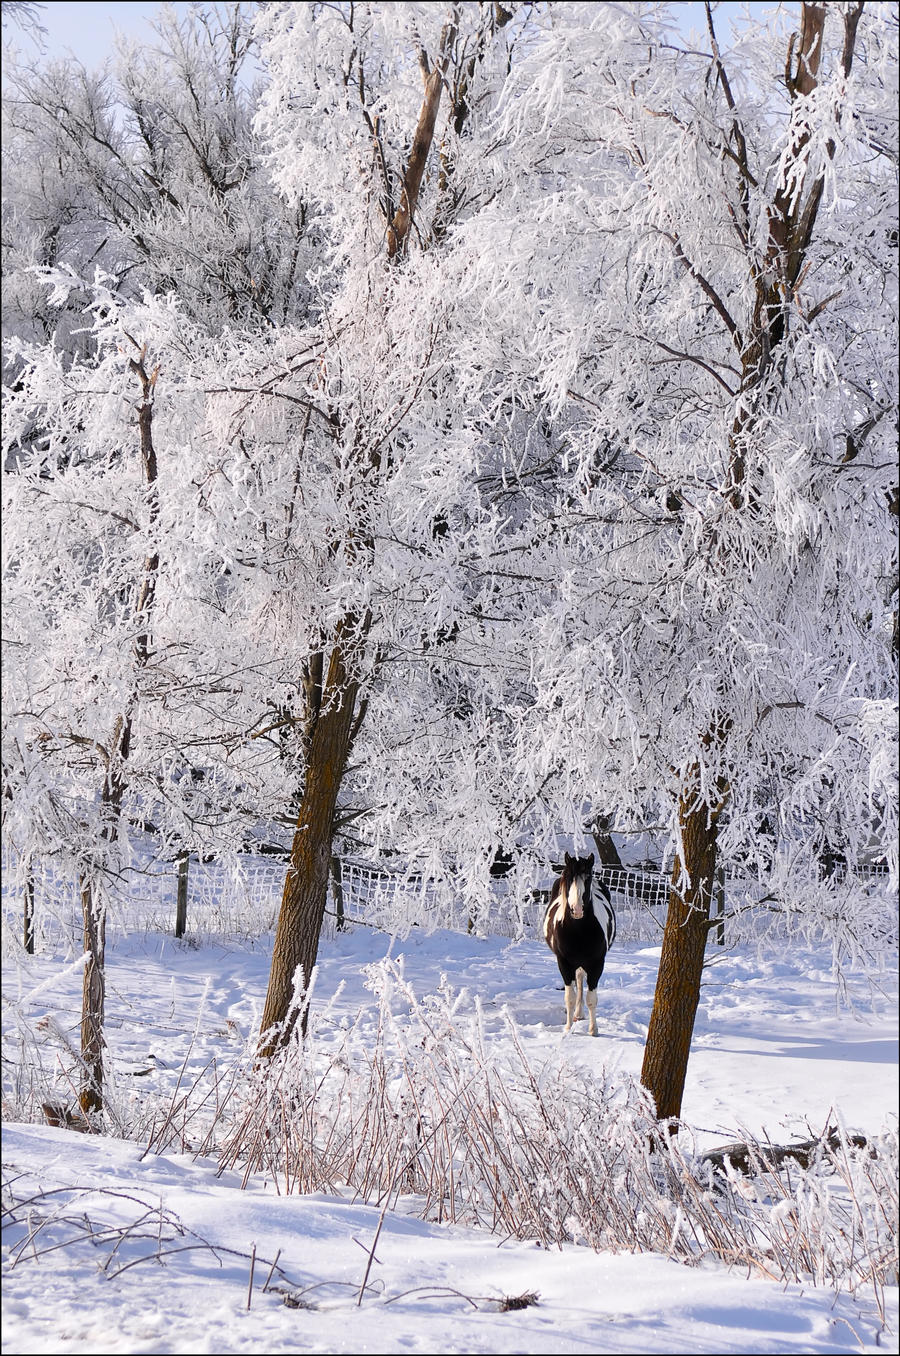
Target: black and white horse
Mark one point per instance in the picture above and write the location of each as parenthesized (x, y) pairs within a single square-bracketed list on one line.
[(579, 935)]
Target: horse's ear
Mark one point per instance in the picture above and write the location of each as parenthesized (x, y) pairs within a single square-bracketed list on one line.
[(568, 860), (591, 862)]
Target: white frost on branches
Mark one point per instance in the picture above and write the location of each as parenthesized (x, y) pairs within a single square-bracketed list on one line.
[(510, 447)]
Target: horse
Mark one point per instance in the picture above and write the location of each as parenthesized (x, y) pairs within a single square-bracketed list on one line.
[(579, 936)]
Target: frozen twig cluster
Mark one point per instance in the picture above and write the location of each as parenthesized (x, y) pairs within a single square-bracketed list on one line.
[(44, 1220)]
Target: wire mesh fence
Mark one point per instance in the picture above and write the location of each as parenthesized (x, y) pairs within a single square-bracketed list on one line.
[(240, 900)]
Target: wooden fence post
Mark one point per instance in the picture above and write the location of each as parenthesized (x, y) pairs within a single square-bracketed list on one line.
[(720, 907), (182, 895), (29, 910), (338, 890)]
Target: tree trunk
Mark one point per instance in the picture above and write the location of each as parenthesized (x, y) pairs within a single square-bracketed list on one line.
[(306, 885), (93, 996), (681, 963), (720, 907), (418, 155), (338, 891), (93, 891), (607, 852)]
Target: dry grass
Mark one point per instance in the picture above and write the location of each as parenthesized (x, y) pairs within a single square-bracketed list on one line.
[(480, 1137), (470, 1131)]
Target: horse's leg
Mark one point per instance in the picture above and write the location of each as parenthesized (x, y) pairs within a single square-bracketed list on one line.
[(593, 979), (592, 1011), (571, 1014), (579, 1003), (568, 978)]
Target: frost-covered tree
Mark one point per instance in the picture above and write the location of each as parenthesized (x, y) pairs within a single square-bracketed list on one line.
[(320, 522), (78, 620), (699, 263), (149, 169), (143, 660), (23, 13), (367, 117)]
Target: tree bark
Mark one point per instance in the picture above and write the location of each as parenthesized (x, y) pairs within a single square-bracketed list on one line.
[(29, 910), (719, 923), (306, 885), (681, 963), (93, 995), (181, 896), (424, 135), (338, 891), (93, 901), (607, 852)]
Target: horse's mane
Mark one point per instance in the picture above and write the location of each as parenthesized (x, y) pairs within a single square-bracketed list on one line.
[(562, 882)]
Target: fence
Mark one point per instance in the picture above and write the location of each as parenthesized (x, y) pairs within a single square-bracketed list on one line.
[(241, 902)]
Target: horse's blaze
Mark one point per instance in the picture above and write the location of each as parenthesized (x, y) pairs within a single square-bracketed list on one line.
[(576, 901), (556, 916)]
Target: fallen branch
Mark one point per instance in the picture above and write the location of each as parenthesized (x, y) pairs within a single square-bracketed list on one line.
[(750, 1158)]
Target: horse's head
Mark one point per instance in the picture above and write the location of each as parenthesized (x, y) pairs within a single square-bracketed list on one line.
[(575, 886)]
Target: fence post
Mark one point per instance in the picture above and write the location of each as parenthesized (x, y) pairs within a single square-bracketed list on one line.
[(720, 907), (29, 910), (182, 895), (338, 890)]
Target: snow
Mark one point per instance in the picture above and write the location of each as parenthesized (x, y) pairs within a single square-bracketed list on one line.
[(429, 1279), (773, 1054), (580, 500)]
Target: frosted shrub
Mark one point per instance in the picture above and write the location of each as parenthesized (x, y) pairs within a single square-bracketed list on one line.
[(479, 1136), (425, 1108)]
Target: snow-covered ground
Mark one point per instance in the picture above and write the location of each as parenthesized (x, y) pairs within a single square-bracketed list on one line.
[(774, 1054)]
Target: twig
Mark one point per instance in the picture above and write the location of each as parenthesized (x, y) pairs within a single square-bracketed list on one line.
[(431, 1292), (271, 1269), (359, 1297), (252, 1268)]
